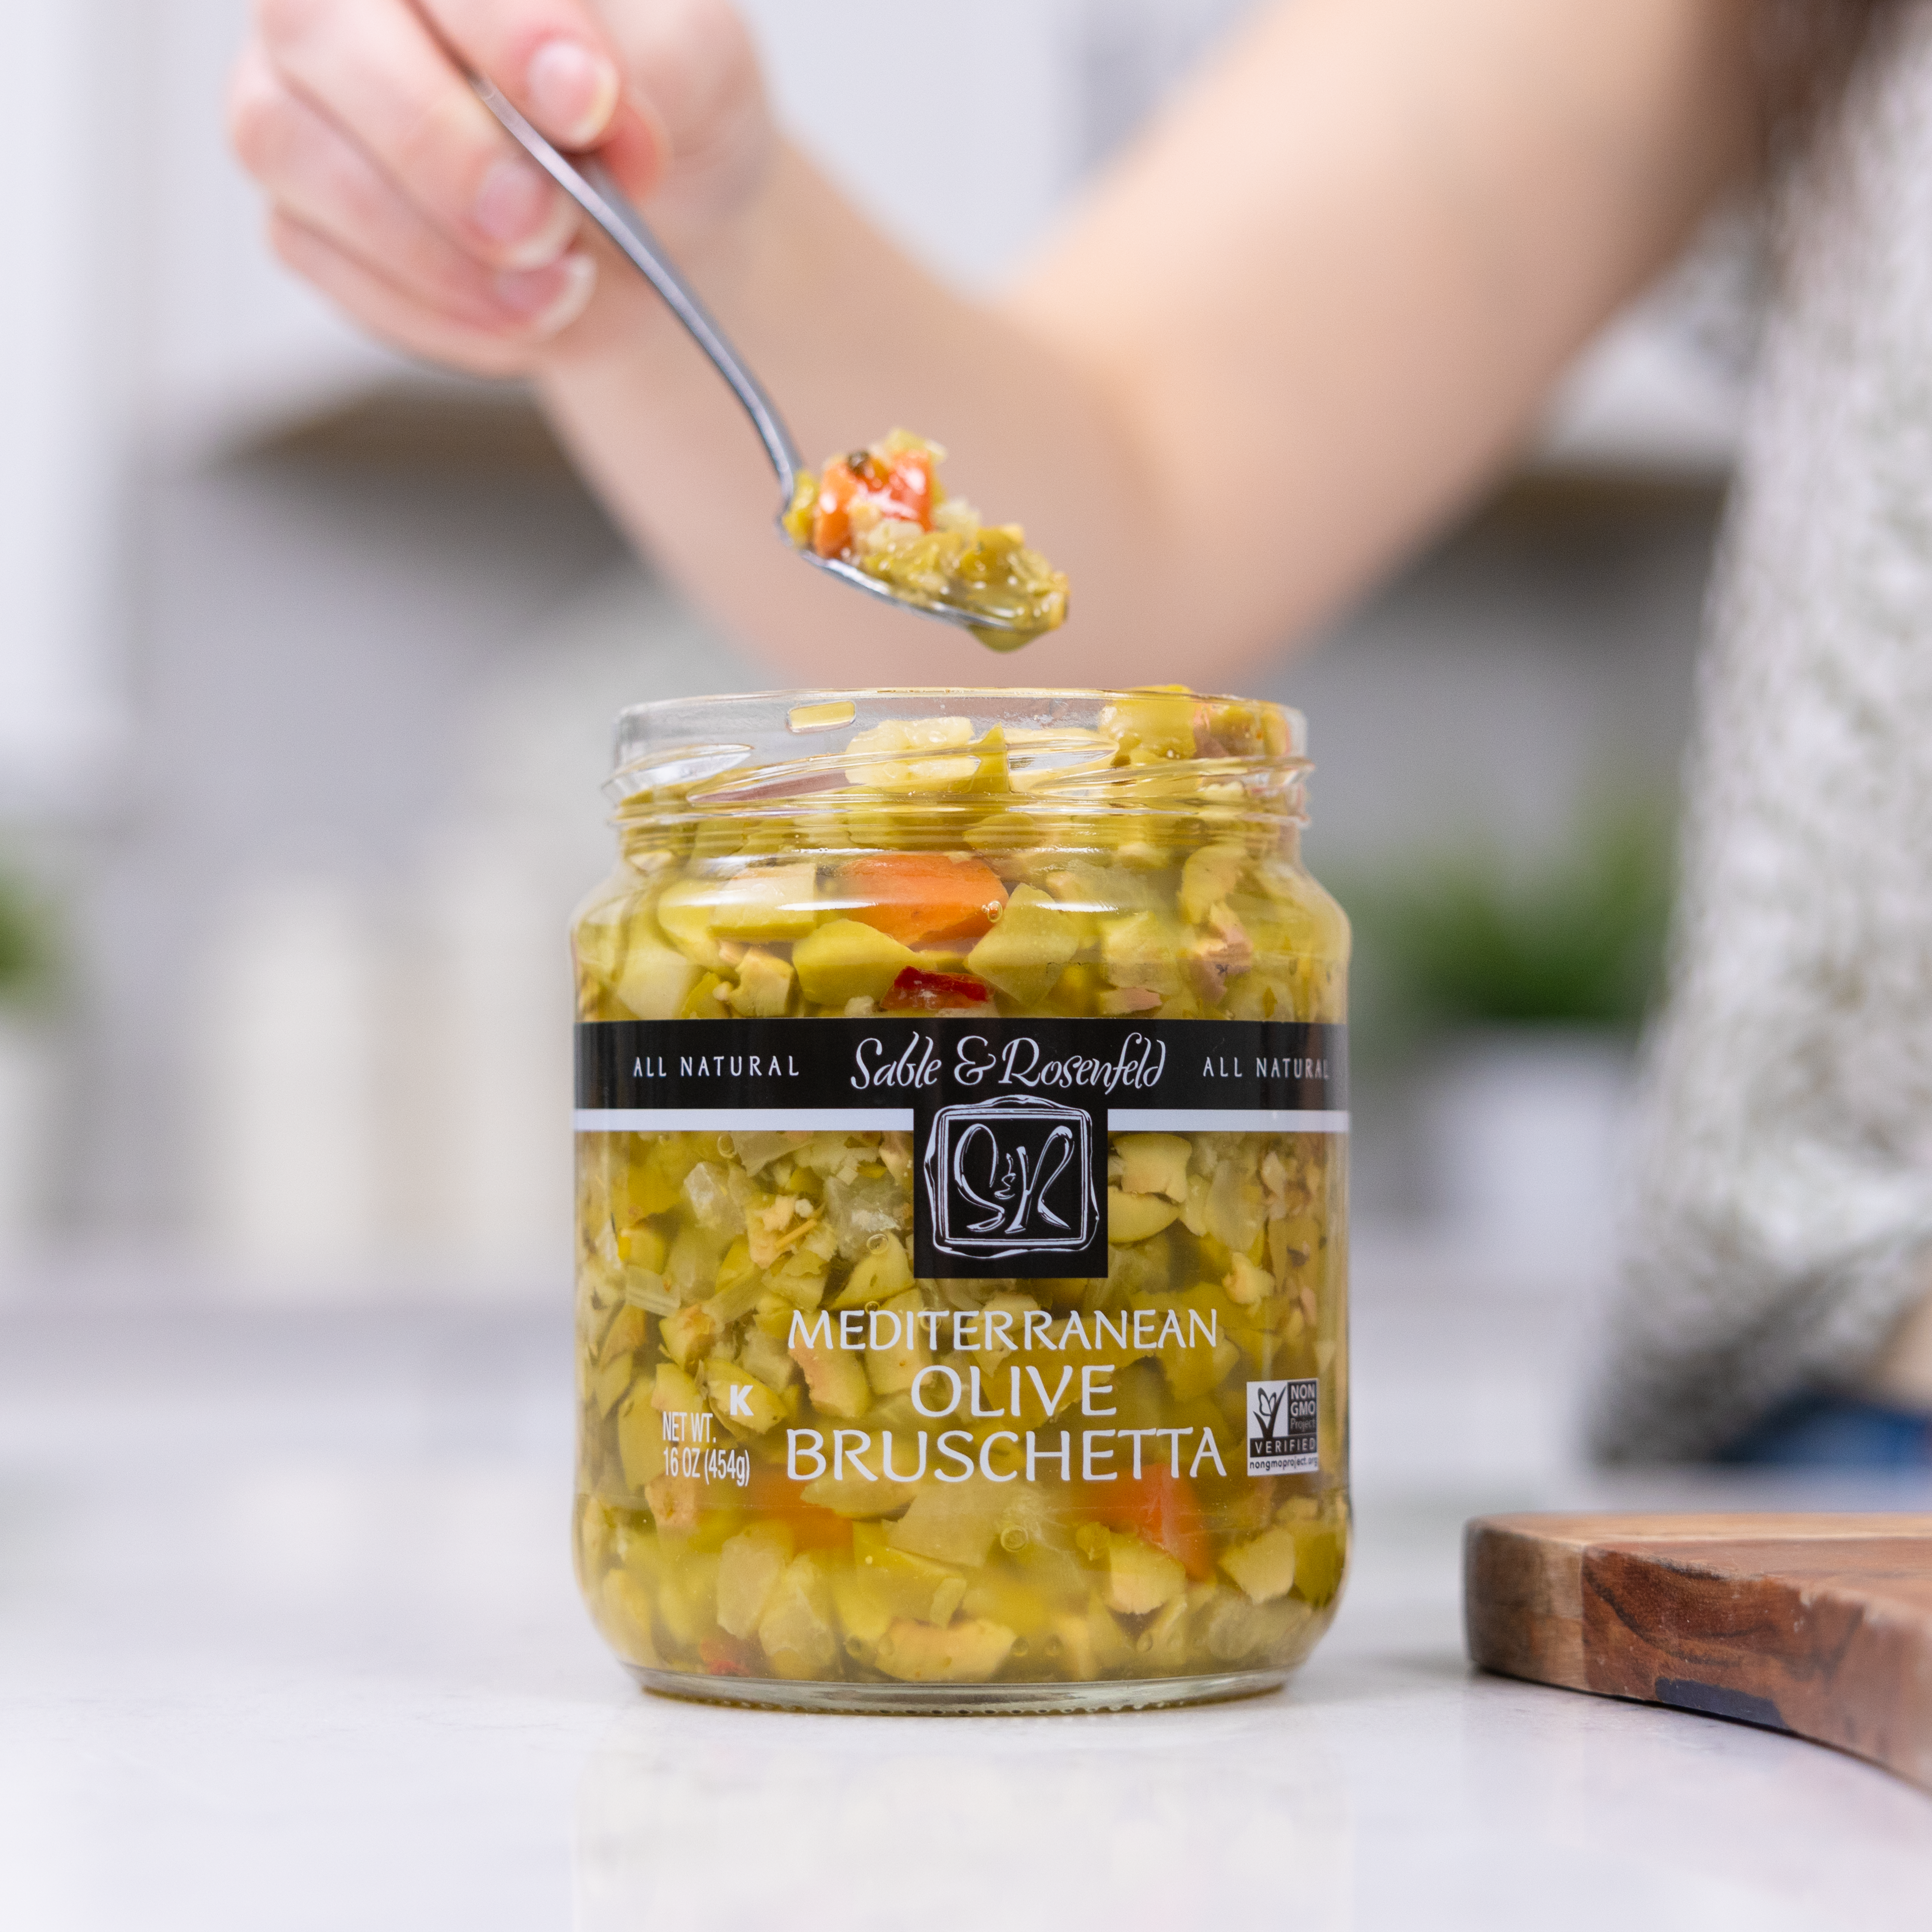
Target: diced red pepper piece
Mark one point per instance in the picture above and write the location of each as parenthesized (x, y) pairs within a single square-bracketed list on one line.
[(908, 487), (900, 486), (917, 992), (722, 1658)]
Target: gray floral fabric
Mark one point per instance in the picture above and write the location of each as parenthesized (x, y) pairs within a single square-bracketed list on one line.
[(1779, 1221)]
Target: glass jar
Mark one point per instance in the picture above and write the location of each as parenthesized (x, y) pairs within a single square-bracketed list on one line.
[(962, 1203)]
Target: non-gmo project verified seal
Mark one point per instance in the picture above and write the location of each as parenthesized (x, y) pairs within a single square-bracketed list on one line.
[(1281, 1429)]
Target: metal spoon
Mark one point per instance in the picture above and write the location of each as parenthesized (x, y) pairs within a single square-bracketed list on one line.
[(592, 188)]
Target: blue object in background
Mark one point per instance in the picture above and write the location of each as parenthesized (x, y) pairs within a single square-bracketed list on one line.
[(1834, 1432)]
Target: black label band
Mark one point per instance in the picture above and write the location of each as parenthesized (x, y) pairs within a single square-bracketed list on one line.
[(1009, 1117)]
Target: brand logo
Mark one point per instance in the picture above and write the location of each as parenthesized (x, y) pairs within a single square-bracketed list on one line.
[(1011, 1177), (1283, 1428)]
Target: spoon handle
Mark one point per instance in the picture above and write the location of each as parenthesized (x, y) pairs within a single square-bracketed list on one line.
[(593, 190)]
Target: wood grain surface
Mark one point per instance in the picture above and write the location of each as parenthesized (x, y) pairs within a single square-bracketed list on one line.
[(1820, 1625)]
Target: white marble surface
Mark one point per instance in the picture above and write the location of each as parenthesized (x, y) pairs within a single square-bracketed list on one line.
[(288, 1640)]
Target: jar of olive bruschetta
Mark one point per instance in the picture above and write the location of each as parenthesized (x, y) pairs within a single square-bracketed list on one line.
[(962, 1243)]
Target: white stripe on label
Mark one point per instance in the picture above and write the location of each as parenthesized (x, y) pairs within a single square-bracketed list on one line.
[(1224, 1121), (742, 1119)]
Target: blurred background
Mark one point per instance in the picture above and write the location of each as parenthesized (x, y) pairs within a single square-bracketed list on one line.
[(309, 656)]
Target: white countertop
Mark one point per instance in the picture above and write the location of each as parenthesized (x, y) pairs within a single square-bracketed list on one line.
[(288, 1640)]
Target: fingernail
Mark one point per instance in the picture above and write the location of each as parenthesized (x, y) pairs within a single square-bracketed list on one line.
[(550, 299), (517, 206), (572, 91)]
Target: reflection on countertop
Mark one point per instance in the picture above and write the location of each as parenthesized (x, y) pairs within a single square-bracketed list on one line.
[(284, 1595)]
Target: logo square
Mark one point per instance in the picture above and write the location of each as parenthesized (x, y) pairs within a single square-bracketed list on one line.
[(1011, 1178)]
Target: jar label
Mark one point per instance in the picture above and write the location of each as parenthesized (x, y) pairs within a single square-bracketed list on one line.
[(1009, 1117)]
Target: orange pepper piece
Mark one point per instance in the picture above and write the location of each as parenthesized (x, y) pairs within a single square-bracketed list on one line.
[(923, 898), (772, 1497), (901, 488), (831, 515), (1161, 1508)]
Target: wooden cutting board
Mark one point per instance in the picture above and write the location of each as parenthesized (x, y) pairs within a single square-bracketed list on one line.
[(1820, 1625)]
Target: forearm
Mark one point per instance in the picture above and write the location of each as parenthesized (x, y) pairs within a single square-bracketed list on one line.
[(852, 338), (1313, 313), (1432, 209)]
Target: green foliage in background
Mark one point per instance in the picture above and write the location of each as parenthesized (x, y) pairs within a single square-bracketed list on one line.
[(1463, 936), (28, 950)]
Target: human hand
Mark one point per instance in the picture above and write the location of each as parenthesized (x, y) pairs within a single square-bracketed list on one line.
[(393, 190)]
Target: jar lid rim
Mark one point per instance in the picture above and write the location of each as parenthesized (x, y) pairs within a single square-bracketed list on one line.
[(708, 736)]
